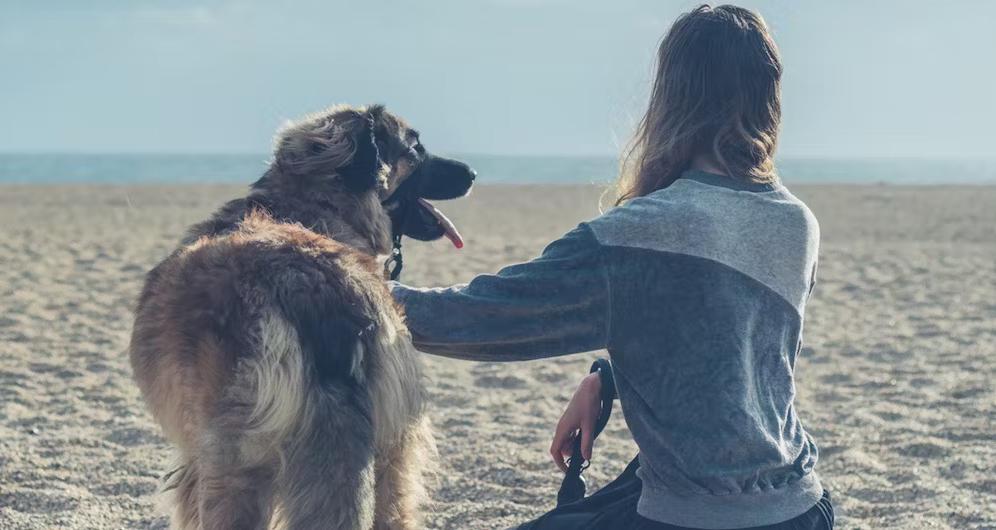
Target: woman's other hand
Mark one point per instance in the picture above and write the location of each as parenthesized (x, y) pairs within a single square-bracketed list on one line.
[(581, 414)]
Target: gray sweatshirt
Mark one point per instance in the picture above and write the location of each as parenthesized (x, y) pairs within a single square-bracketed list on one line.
[(698, 292)]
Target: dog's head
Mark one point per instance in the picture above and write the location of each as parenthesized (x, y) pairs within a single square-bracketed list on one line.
[(371, 154)]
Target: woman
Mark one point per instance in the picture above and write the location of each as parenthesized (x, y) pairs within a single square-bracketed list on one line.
[(696, 283)]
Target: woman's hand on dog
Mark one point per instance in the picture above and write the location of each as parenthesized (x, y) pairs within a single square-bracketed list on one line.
[(581, 414)]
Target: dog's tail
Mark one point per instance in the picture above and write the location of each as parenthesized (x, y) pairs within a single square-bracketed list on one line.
[(308, 344), (321, 429), (279, 379)]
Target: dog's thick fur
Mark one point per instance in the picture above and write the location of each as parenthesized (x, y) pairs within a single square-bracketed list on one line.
[(269, 349)]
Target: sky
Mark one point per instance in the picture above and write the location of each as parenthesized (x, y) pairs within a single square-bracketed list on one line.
[(888, 78)]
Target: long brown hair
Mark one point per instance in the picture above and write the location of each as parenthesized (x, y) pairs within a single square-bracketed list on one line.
[(716, 92)]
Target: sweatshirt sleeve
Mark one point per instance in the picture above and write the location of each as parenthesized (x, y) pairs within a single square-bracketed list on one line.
[(556, 304)]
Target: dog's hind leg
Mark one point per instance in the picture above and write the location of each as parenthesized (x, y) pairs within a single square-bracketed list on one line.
[(232, 493), (180, 496), (328, 477), (401, 491)]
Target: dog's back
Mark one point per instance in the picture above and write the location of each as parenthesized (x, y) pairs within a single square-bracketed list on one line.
[(275, 361)]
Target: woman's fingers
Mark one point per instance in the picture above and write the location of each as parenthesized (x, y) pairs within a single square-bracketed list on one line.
[(581, 413), (561, 437), (557, 459)]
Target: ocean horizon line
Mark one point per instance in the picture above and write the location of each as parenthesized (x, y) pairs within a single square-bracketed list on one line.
[(220, 153), (232, 168)]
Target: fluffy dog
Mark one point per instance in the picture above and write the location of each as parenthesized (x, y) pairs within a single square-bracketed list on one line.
[(268, 347)]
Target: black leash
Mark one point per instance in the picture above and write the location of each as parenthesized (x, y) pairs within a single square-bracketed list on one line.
[(573, 487), (395, 262)]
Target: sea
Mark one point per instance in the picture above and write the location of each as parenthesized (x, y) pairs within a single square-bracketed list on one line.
[(491, 169)]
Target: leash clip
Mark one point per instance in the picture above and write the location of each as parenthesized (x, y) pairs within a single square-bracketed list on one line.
[(394, 262)]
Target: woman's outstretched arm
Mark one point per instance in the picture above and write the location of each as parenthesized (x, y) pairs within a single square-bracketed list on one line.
[(556, 304)]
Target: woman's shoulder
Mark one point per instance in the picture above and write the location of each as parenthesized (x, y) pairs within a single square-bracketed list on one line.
[(686, 214), (795, 214), (643, 220)]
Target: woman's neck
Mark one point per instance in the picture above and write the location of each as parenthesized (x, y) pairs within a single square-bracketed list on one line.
[(707, 163)]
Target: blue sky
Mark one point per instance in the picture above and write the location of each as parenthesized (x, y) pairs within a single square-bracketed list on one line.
[(883, 78)]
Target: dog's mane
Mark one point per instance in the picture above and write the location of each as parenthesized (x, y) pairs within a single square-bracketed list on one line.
[(301, 186), (354, 220)]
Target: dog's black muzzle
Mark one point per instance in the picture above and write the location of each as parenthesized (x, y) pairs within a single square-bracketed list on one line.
[(436, 178), (441, 179)]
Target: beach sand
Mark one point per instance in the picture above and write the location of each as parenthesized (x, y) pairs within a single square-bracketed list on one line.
[(895, 381)]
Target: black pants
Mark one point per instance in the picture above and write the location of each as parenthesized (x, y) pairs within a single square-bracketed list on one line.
[(614, 508)]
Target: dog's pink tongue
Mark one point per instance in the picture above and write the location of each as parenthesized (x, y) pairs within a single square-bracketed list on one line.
[(448, 227)]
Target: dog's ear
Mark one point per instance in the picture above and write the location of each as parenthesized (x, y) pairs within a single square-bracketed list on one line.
[(336, 145), (360, 173), (312, 148), (375, 111)]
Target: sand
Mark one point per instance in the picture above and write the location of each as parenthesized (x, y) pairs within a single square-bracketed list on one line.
[(895, 382)]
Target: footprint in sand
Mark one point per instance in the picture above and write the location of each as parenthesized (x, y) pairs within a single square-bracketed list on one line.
[(131, 437), (983, 486), (34, 501), (503, 382), (130, 487), (926, 450)]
